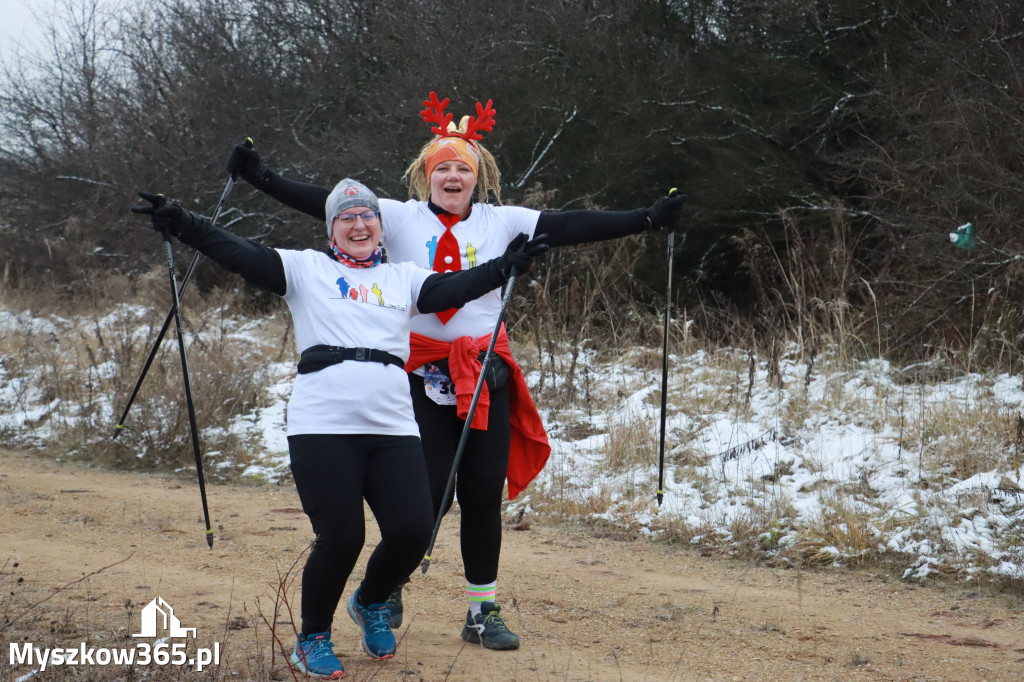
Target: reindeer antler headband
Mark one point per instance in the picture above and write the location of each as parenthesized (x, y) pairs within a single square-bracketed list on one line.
[(434, 113), (451, 143)]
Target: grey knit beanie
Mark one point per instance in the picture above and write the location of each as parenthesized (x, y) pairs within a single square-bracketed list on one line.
[(346, 194)]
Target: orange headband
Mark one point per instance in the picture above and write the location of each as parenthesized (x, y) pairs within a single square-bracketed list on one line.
[(452, 149)]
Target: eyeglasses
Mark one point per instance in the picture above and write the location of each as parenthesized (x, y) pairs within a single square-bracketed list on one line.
[(348, 220)]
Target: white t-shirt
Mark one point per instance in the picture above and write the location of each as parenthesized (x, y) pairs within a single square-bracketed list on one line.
[(410, 234), (356, 308)]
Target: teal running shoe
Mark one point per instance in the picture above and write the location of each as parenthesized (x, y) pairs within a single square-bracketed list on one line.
[(314, 655), (378, 641)]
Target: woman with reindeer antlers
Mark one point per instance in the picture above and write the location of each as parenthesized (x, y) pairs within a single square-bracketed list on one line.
[(442, 228)]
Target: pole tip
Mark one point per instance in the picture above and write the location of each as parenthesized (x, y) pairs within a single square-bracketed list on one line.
[(661, 495), (425, 564), (209, 538)]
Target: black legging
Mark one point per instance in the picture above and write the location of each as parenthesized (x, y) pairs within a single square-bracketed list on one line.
[(479, 480), (333, 474)]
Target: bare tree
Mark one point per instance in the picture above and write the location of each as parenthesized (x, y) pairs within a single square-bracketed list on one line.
[(788, 123)]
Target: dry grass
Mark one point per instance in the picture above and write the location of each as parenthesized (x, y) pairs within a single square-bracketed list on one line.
[(962, 439), (844, 532), (630, 442), (71, 373)]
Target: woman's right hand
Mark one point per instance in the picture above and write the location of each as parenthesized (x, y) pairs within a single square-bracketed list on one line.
[(165, 216)]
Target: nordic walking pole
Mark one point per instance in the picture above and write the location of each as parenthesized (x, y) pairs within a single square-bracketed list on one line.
[(162, 221), (664, 359), (469, 418), (170, 314), (176, 309)]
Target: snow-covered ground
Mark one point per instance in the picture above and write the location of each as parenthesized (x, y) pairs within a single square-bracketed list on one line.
[(843, 466), (831, 461)]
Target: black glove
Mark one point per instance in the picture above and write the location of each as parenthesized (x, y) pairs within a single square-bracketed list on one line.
[(666, 211), (520, 254), (245, 163), (170, 217)]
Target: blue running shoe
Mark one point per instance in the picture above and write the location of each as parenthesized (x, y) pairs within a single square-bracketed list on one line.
[(378, 641), (314, 655)]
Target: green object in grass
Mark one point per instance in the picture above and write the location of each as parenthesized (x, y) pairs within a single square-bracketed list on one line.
[(963, 238)]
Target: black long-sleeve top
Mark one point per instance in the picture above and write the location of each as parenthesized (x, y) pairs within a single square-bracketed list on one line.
[(261, 266), (563, 228)]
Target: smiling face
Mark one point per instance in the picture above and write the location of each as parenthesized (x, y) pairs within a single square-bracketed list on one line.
[(361, 238), (451, 186)]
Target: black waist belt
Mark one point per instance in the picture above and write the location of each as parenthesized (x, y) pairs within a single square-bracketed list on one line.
[(315, 358)]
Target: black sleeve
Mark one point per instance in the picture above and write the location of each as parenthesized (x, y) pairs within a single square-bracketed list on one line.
[(302, 196), (444, 291), (258, 264), (564, 228)]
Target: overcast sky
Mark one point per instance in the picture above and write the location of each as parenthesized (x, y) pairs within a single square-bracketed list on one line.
[(17, 23)]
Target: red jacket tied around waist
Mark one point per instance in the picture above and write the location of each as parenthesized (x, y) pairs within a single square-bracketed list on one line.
[(528, 446)]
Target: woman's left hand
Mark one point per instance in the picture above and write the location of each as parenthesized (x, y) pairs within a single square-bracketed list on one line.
[(666, 211), (520, 254)]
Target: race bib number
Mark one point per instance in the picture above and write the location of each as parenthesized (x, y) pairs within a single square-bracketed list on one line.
[(438, 386)]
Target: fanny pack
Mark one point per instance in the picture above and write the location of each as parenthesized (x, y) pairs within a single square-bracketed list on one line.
[(315, 358)]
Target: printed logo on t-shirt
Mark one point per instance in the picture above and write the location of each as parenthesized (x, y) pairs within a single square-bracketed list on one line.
[(361, 294), (431, 251)]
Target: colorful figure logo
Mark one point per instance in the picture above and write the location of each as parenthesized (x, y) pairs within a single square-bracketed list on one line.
[(343, 286), (431, 251), (351, 292), (471, 254)]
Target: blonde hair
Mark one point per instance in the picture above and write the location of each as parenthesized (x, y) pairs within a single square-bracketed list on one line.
[(488, 175)]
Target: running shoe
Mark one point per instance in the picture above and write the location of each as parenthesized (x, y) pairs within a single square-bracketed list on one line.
[(378, 641), (395, 606), (314, 655), (488, 628)]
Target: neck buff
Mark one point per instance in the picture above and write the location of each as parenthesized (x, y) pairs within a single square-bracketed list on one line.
[(373, 260)]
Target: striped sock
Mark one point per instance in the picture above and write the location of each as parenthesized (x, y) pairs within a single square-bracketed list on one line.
[(478, 594)]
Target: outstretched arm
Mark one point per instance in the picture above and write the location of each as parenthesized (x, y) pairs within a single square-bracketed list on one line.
[(578, 227), (444, 291), (245, 163), (258, 264)]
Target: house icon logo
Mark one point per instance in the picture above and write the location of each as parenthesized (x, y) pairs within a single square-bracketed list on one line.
[(159, 616)]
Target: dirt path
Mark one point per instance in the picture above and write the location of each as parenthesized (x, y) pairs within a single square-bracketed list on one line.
[(585, 608)]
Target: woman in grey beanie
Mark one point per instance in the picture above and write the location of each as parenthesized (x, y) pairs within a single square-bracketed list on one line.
[(351, 431)]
